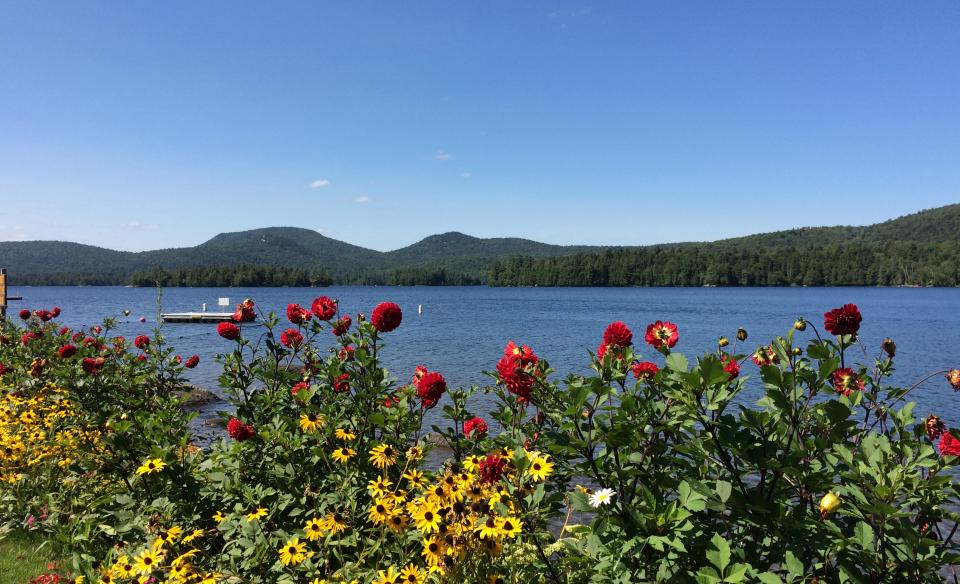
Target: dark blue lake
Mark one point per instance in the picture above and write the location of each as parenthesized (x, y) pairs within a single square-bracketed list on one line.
[(462, 330)]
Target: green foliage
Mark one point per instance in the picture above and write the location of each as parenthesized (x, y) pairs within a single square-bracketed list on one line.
[(620, 475)]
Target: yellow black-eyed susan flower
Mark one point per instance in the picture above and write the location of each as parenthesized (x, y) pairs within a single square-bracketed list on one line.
[(314, 529), (260, 513), (540, 467), (151, 465), (293, 552), (344, 454), (311, 422), (344, 434), (146, 562), (383, 456), (335, 523)]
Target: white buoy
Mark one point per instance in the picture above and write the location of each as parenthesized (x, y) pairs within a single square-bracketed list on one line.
[(419, 309), (204, 306)]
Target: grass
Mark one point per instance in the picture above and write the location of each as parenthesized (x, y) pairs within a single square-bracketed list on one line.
[(20, 560)]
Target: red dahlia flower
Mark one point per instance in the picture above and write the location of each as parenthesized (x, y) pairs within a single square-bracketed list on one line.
[(523, 353), (418, 374), (475, 428), (346, 353), (192, 362), (846, 381), (491, 468), (430, 389), (842, 321), (615, 350), (731, 366), (3, 369), (662, 333), (67, 351), (949, 446), (386, 317), (93, 366), (141, 342), (297, 314), (25, 338), (55, 311), (515, 378), (298, 387), (645, 370), (342, 325), (291, 338), (24, 314), (323, 308), (342, 383), (64, 331), (240, 431), (228, 330), (43, 315), (618, 334)]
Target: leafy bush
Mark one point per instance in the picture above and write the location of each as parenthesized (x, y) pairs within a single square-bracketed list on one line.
[(643, 471)]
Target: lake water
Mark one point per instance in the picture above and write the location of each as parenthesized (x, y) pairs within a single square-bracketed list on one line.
[(462, 330)]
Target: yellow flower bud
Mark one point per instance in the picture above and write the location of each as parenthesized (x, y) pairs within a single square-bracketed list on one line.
[(741, 334), (800, 325), (829, 503), (723, 341)]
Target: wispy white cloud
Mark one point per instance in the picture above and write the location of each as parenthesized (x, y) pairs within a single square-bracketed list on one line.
[(319, 183), (14, 233), (443, 155), (466, 174), (572, 13), (137, 225), (361, 200)]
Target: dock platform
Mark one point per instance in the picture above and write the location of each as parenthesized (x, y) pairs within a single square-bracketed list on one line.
[(197, 317)]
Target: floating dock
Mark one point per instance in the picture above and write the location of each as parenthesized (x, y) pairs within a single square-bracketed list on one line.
[(196, 317)]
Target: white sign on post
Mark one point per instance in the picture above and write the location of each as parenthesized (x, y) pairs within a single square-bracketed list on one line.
[(223, 302)]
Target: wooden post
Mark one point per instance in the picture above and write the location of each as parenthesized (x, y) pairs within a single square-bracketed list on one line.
[(3, 292)]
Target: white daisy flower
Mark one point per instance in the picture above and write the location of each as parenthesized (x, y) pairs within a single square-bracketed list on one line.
[(601, 497)]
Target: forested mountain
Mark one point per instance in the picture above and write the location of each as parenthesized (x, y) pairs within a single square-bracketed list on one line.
[(918, 249)]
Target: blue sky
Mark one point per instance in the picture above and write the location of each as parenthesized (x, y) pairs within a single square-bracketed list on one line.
[(139, 125)]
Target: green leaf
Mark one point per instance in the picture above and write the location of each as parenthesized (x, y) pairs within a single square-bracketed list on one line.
[(721, 557), (677, 362), (723, 490), (794, 566)]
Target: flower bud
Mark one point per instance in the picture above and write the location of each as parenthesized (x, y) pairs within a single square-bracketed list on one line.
[(889, 347), (797, 351), (953, 377), (741, 334), (800, 324), (829, 503), (723, 341)]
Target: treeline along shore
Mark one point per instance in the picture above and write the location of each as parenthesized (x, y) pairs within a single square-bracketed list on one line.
[(922, 249)]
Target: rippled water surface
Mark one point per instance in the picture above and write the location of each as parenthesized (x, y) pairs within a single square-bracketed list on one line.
[(462, 330)]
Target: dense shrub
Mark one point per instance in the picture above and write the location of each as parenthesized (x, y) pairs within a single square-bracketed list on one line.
[(650, 469)]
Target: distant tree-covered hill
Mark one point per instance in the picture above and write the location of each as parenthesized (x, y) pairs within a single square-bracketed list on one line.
[(918, 249)]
